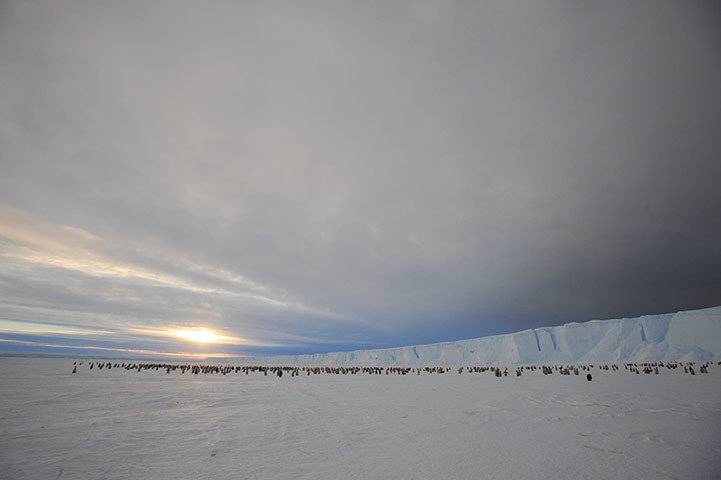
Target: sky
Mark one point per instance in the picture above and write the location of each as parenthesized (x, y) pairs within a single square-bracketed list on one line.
[(258, 178)]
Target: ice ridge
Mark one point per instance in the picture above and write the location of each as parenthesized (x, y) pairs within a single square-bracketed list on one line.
[(684, 336)]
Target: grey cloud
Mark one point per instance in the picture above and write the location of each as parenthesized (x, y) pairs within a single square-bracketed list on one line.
[(423, 171)]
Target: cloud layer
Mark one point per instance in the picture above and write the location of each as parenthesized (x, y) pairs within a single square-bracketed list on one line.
[(328, 176)]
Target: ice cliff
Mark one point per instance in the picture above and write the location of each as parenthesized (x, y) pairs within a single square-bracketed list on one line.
[(685, 336)]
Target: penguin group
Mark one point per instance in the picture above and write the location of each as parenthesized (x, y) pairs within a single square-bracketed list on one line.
[(294, 371)]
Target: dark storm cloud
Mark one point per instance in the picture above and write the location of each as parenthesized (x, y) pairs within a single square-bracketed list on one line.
[(331, 175)]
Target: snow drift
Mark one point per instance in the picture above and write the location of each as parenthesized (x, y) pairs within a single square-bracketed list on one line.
[(685, 336)]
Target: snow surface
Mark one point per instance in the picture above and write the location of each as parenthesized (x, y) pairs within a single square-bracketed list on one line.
[(118, 424), (693, 335)]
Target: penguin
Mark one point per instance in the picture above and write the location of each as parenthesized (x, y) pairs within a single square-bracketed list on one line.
[(589, 377)]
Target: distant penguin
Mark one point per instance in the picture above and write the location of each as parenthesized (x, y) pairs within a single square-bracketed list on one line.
[(589, 377), (75, 369)]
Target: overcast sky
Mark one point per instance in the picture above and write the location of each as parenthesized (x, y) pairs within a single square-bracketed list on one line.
[(303, 177)]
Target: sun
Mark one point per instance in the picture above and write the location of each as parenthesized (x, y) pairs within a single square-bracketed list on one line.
[(199, 335)]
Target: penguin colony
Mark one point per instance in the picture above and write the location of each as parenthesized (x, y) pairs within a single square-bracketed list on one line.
[(196, 369)]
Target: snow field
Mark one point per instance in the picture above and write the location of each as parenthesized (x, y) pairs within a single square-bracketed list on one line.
[(149, 424)]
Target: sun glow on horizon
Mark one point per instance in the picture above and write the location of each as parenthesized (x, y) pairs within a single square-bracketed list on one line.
[(202, 335), (199, 335)]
